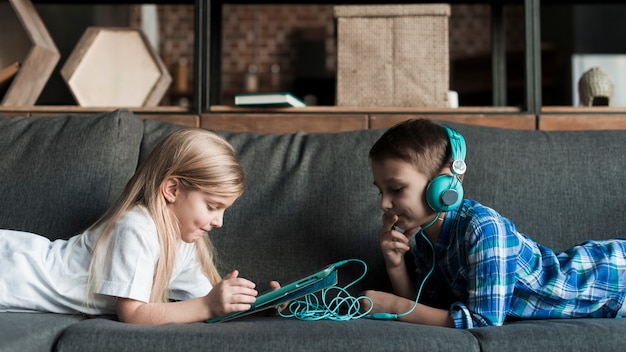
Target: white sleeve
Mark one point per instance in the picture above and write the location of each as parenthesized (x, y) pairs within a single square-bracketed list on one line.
[(190, 281), (130, 265)]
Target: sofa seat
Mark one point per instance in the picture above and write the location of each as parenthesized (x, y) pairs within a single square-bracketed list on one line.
[(33, 331), (267, 334)]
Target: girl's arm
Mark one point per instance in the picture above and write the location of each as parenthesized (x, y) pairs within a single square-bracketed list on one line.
[(232, 294)]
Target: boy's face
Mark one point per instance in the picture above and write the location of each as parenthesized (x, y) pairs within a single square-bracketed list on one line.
[(402, 190)]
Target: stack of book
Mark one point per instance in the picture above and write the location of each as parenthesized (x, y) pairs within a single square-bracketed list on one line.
[(268, 99)]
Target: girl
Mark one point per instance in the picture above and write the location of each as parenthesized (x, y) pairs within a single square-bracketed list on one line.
[(148, 259), (476, 268)]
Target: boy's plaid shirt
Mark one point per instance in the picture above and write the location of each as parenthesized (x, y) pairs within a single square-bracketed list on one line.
[(493, 272)]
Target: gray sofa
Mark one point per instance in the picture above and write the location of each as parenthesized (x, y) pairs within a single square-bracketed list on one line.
[(309, 202)]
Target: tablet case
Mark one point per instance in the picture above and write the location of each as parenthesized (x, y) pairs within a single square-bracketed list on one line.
[(309, 284)]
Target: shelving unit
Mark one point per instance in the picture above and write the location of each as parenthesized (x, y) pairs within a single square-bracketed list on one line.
[(208, 44), (27, 45), (209, 21), (208, 112)]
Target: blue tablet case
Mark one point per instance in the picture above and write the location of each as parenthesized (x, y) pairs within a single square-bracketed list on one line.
[(309, 284)]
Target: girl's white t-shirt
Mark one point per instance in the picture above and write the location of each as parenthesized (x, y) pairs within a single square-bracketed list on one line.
[(37, 274)]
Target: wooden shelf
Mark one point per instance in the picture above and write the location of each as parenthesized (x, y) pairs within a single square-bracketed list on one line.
[(315, 119), (573, 118), (357, 109), (74, 109), (583, 110), (171, 114), (320, 119), (337, 119)]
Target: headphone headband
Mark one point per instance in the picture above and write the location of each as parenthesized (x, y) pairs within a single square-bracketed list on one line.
[(457, 146)]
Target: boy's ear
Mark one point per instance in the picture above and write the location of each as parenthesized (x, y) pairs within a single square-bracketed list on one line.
[(169, 189)]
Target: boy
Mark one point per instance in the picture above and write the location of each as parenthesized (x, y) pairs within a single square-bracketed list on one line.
[(475, 267)]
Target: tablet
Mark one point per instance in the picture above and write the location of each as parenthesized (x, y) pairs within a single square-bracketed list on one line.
[(311, 283)]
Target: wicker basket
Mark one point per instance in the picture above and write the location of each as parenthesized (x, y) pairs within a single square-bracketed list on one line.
[(595, 88), (393, 55)]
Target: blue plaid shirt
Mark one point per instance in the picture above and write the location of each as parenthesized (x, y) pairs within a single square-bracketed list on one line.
[(487, 272)]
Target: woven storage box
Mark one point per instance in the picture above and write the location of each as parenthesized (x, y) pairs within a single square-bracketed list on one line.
[(393, 55)]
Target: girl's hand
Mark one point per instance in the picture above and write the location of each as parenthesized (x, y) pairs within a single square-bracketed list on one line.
[(394, 244), (232, 294)]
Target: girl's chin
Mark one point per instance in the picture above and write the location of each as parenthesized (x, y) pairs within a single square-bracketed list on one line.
[(191, 238)]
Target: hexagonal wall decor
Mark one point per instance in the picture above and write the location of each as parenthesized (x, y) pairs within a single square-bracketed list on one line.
[(115, 67), (25, 43)]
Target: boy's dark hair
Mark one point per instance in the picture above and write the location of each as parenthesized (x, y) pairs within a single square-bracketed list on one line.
[(420, 142)]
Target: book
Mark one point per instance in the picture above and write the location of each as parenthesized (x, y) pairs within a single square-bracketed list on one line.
[(6, 77), (8, 72), (268, 99)]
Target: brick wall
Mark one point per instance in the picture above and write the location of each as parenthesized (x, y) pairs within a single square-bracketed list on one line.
[(267, 35)]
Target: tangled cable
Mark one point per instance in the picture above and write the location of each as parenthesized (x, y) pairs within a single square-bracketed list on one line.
[(344, 306), (340, 307)]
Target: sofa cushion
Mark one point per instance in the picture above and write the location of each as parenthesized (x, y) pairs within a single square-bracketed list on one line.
[(35, 332), (555, 335), (59, 174), (154, 132), (265, 334)]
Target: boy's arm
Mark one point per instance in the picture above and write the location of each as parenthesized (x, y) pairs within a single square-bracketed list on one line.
[(394, 245), (401, 282), (422, 314)]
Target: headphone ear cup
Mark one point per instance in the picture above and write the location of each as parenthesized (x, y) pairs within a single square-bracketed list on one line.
[(444, 193)]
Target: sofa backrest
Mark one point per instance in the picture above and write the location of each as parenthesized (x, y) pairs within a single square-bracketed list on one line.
[(560, 188), (59, 174), (310, 199)]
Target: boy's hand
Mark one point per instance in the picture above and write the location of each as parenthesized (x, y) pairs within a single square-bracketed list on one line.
[(274, 285), (394, 244)]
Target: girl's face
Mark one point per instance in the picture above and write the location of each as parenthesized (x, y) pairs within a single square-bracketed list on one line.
[(402, 190), (199, 212)]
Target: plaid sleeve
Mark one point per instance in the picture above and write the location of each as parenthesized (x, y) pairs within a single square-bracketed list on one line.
[(463, 318), (491, 262)]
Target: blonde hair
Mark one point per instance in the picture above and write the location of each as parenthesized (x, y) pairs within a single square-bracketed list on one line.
[(199, 160)]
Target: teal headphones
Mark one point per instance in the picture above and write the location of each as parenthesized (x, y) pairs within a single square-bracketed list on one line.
[(445, 192)]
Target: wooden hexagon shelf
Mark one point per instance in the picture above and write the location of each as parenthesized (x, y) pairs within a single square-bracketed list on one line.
[(115, 67), (24, 44)]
